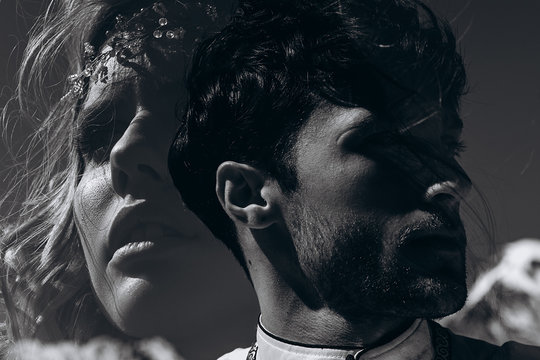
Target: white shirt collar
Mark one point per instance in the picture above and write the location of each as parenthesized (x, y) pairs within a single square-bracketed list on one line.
[(413, 344)]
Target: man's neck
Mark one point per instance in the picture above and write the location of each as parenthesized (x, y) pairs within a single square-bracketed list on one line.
[(292, 309), (326, 328)]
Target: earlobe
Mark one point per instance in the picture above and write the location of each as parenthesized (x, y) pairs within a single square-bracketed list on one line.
[(243, 193)]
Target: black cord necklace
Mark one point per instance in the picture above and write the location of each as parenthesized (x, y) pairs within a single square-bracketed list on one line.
[(439, 337)]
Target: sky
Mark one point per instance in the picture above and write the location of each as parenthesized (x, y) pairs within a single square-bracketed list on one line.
[(500, 42)]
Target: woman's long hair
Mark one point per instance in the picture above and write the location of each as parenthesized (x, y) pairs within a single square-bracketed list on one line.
[(45, 283), (44, 278)]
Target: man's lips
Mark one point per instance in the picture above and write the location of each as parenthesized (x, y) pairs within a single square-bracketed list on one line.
[(435, 251), (440, 236)]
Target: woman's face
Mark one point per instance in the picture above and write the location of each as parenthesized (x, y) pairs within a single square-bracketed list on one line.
[(152, 263)]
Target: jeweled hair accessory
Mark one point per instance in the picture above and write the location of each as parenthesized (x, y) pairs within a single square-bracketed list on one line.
[(174, 24)]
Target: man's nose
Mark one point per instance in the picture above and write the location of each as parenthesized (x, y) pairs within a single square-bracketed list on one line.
[(448, 193), (138, 160)]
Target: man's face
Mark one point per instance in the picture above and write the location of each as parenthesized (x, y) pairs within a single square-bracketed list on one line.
[(375, 216)]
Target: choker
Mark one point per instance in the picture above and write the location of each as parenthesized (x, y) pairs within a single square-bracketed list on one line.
[(439, 339)]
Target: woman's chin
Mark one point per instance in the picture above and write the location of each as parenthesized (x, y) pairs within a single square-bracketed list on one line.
[(141, 308)]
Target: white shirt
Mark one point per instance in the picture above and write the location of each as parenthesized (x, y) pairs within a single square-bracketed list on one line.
[(413, 344)]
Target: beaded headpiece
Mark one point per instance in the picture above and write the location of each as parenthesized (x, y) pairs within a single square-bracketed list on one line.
[(170, 24)]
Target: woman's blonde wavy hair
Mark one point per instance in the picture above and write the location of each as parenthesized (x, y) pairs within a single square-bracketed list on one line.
[(45, 282)]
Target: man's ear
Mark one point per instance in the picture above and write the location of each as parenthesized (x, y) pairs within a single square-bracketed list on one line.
[(246, 195)]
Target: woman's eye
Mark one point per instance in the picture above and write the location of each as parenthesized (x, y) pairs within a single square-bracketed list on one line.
[(92, 151), (101, 154), (95, 141)]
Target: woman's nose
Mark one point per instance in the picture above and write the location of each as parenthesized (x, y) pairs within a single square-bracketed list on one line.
[(139, 159)]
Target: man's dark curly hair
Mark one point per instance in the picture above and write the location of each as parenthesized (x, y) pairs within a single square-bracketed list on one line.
[(253, 85)]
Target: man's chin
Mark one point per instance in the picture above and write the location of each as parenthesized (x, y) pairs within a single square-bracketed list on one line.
[(423, 297), (433, 286), (434, 298)]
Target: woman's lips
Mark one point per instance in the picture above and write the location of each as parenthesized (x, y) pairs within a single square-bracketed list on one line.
[(143, 221), (147, 243), (148, 232)]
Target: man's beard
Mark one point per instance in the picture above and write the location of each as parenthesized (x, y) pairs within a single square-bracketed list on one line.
[(358, 275)]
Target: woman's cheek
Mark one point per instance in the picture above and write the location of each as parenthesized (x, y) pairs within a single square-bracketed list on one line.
[(95, 204)]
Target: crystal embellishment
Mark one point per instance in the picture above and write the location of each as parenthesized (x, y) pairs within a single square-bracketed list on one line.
[(127, 37)]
